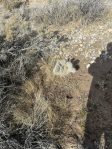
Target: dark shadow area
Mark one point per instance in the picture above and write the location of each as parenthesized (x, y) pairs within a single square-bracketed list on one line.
[(75, 63), (99, 106)]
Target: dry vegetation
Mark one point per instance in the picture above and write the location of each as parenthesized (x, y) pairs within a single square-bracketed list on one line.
[(62, 12), (35, 105), (12, 4)]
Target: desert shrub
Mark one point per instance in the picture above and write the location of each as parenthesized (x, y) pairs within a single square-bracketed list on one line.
[(26, 114), (18, 123), (9, 4), (34, 112), (15, 26), (92, 9), (62, 12), (36, 120), (55, 13), (32, 108)]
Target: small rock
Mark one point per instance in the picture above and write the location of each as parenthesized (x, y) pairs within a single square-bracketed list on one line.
[(63, 68)]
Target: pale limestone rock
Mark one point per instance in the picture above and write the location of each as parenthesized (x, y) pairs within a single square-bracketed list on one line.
[(63, 68)]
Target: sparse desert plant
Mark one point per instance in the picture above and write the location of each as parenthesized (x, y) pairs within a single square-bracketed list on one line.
[(31, 106), (9, 4), (34, 108), (62, 12), (92, 9), (15, 26)]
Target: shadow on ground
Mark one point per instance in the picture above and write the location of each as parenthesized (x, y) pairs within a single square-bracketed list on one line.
[(99, 116)]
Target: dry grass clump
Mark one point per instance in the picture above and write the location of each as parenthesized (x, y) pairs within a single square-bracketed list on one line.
[(62, 12), (25, 106), (32, 101), (11, 4), (49, 114), (15, 26), (32, 108), (22, 104)]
